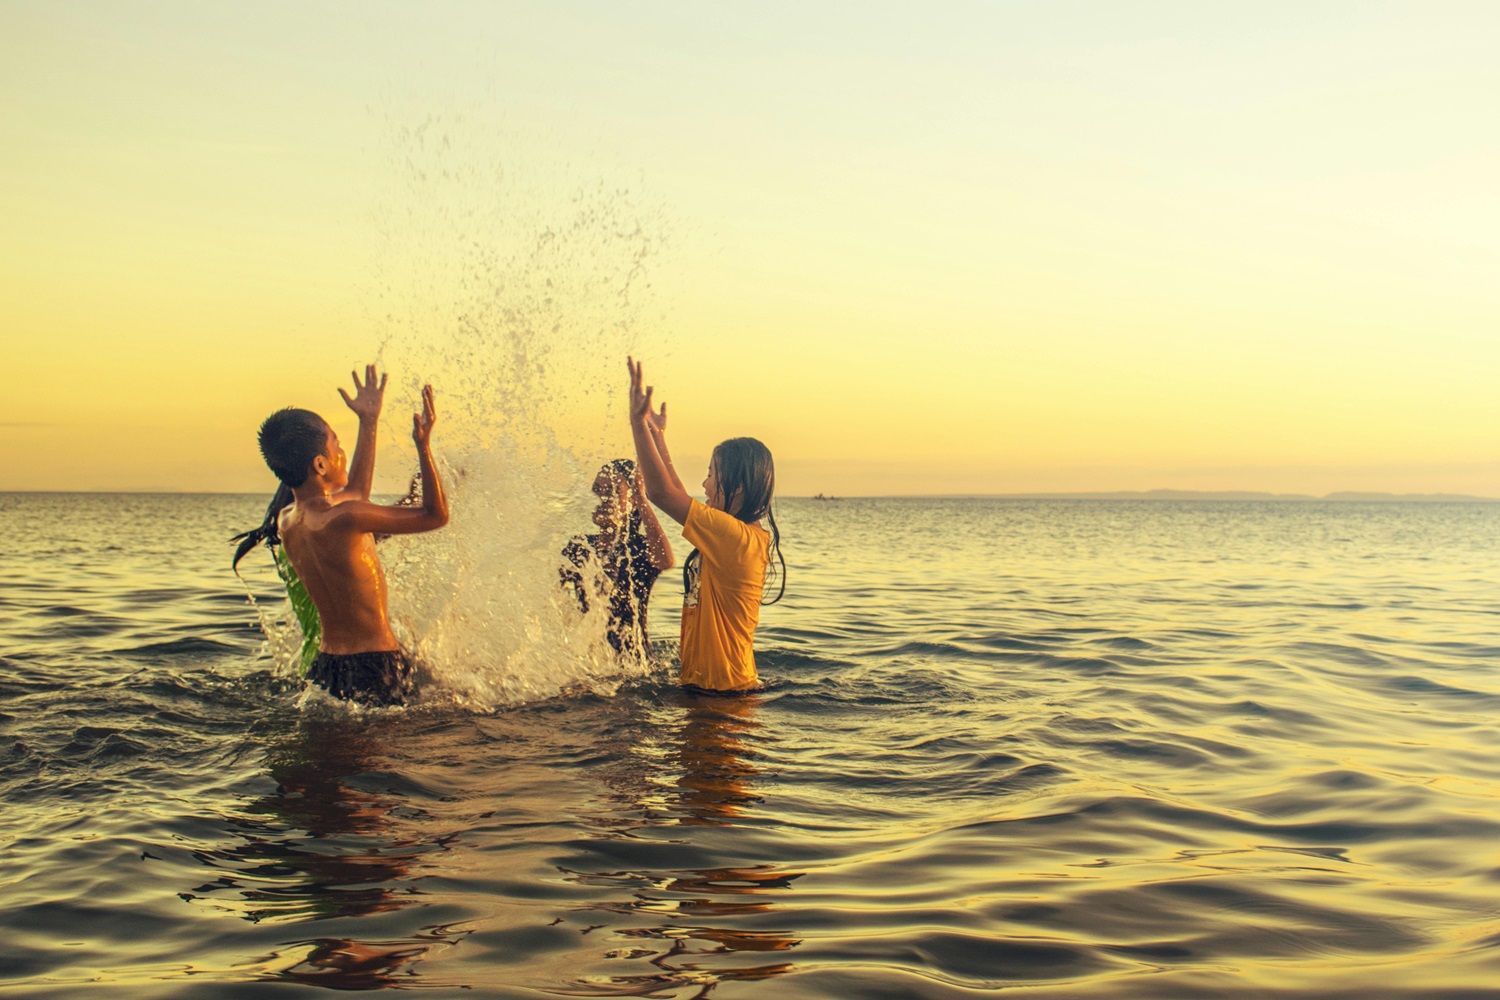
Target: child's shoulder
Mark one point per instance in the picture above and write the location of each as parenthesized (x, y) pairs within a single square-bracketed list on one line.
[(316, 518), (709, 522), (289, 516)]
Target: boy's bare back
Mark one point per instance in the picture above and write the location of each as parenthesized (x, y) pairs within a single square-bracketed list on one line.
[(338, 565)]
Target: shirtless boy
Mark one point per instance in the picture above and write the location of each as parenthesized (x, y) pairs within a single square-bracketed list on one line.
[(328, 532)]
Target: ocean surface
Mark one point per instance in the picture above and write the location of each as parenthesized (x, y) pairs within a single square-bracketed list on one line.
[(1043, 749)]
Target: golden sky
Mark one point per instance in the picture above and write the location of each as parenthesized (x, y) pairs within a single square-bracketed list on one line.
[(915, 248)]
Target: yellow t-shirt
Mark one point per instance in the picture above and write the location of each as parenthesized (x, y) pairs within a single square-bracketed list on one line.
[(722, 606)]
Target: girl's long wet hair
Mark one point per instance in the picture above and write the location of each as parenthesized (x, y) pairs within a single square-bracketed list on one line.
[(747, 479), (624, 468), (267, 532)]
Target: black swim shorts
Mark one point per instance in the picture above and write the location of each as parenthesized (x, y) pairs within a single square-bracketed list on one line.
[(378, 678)]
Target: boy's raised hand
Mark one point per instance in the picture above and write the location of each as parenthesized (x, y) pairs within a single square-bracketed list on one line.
[(368, 397), (421, 423)]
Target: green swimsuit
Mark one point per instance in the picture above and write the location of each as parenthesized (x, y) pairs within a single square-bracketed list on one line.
[(302, 605)]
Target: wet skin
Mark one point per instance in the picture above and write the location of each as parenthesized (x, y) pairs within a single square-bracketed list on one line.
[(341, 571), (663, 487), (329, 530)]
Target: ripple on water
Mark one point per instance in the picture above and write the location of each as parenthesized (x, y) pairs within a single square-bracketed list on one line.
[(1125, 770)]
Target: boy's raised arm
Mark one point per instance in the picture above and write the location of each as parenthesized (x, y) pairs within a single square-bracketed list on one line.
[(434, 501), (379, 519), (663, 488), (366, 404)]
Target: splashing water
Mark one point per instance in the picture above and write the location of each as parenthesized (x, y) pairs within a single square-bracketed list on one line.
[(518, 298)]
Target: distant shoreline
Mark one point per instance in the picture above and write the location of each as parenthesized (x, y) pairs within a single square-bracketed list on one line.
[(1346, 496)]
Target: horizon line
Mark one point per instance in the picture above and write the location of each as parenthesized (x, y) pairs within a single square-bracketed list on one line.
[(1336, 496)]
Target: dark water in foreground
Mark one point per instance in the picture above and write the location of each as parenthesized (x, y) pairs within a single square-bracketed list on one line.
[(1052, 749)]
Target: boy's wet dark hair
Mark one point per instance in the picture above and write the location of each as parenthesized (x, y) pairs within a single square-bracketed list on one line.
[(747, 478), (289, 441)]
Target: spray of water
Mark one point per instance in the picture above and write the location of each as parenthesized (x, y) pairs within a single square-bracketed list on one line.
[(517, 292)]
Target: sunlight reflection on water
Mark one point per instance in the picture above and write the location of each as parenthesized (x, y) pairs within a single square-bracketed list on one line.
[(1093, 749)]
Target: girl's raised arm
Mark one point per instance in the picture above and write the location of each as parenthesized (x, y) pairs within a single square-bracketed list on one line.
[(663, 488), (657, 421), (658, 546)]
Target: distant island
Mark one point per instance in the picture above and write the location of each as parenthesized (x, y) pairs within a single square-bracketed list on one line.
[(1341, 497)]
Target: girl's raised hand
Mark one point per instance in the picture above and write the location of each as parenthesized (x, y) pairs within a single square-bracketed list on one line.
[(640, 399)]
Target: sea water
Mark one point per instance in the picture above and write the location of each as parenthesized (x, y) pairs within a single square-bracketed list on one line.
[(1098, 749)]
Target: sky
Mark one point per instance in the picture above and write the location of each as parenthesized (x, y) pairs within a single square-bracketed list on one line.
[(916, 248)]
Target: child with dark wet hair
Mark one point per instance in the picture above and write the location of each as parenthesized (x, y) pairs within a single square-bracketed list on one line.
[(725, 576), (327, 527), (630, 551)]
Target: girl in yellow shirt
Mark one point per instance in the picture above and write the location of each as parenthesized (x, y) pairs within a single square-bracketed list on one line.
[(725, 576)]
